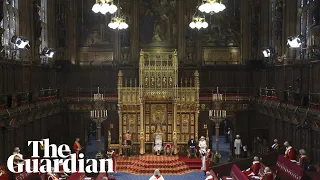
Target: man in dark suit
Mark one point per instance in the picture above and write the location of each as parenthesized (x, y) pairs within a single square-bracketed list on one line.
[(192, 144)]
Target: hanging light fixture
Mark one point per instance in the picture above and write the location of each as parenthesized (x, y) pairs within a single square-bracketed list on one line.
[(210, 6), (118, 22), (198, 21), (104, 6), (294, 42)]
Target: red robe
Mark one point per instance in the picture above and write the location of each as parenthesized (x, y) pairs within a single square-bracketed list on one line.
[(208, 159), (303, 161), (267, 176), (289, 154), (76, 147), (113, 155), (254, 170)]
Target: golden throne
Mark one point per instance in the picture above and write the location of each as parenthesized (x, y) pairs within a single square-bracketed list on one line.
[(157, 136)]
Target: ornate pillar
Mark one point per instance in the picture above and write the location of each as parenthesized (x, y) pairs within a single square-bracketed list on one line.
[(134, 35), (289, 26), (196, 117), (71, 36), (174, 135), (181, 30), (142, 145), (116, 46), (120, 80), (197, 85)]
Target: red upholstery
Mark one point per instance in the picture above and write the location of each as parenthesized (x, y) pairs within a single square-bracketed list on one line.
[(289, 170), (213, 174), (236, 173), (77, 176)]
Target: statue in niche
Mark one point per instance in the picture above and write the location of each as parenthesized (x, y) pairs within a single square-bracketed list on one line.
[(61, 24), (37, 21), (158, 22)]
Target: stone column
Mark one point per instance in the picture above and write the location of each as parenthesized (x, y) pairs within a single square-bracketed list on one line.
[(135, 34), (142, 142), (116, 46), (175, 138), (181, 28), (71, 31), (245, 31)]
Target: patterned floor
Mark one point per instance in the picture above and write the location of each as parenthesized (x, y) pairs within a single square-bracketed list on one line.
[(189, 176)]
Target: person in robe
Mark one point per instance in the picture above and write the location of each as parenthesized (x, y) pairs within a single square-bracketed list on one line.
[(128, 142), (303, 160), (168, 149), (192, 150), (208, 159), (158, 145), (237, 146), (208, 176), (18, 158), (275, 145), (254, 169), (267, 174), (156, 175), (111, 154), (77, 147), (289, 153)]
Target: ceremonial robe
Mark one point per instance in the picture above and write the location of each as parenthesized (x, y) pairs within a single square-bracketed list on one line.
[(275, 146), (209, 178), (76, 148), (113, 154), (304, 161), (254, 170), (237, 146), (267, 176), (156, 178), (290, 154)]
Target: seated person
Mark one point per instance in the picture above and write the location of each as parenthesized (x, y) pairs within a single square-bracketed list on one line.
[(192, 150), (168, 149), (158, 144), (254, 170), (267, 174), (156, 175), (208, 176), (289, 153), (303, 160)]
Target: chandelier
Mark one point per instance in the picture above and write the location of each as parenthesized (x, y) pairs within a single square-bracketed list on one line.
[(104, 6), (210, 6), (198, 22), (118, 22)]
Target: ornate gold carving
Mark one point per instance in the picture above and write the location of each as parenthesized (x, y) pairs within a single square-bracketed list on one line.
[(221, 56)]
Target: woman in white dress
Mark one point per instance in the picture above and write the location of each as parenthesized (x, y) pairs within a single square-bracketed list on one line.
[(237, 146), (203, 152), (158, 145)]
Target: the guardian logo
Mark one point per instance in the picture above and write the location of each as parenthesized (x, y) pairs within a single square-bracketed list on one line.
[(61, 156)]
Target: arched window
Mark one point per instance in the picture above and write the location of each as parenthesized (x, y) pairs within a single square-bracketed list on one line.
[(10, 24), (44, 33)]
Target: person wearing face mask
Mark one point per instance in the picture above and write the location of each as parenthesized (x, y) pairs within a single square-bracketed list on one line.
[(289, 153)]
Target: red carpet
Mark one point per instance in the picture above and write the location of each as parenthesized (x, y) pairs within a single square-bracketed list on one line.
[(146, 164)]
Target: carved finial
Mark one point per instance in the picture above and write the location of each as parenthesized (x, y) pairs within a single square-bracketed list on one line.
[(125, 83), (141, 52), (120, 74)]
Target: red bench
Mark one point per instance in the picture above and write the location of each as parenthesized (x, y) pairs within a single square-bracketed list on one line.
[(289, 170), (235, 173), (213, 174)]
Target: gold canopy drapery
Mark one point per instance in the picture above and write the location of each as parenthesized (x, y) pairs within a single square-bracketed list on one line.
[(158, 101)]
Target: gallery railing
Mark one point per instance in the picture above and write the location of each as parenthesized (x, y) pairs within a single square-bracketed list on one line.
[(26, 98)]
